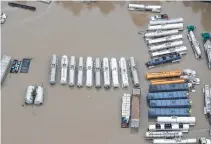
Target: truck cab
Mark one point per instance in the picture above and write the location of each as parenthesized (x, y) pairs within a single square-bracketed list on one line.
[(203, 140)]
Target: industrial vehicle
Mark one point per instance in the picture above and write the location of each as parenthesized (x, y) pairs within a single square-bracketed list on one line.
[(89, 72), (135, 108), (178, 26), (174, 141), (72, 72), (203, 140), (159, 17), (5, 62), (80, 70), (141, 7), (175, 103), (167, 45), (168, 81), (164, 39), (169, 87), (175, 119), (167, 95), (182, 50), (64, 69), (53, 69), (114, 72), (126, 104), (123, 72), (207, 47), (156, 112), (163, 134), (168, 21), (3, 17), (15, 66), (207, 100), (160, 33), (97, 69), (106, 73), (34, 95), (163, 74), (194, 43), (134, 72), (171, 58), (27, 7), (169, 127)]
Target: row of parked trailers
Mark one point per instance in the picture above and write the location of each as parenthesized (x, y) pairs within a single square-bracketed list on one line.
[(94, 69), (165, 41)]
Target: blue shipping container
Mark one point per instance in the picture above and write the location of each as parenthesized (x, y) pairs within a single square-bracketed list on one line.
[(167, 95), (180, 112), (168, 87), (180, 103)]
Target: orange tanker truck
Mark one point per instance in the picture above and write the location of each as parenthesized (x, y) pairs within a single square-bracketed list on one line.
[(163, 74), (168, 81)]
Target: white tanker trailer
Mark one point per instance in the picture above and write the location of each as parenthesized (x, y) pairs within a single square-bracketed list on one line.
[(142, 7), (169, 21), (181, 50), (163, 134), (165, 45), (174, 141), (178, 26), (53, 69), (175, 119), (64, 69), (72, 68), (160, 33), (165, 39)]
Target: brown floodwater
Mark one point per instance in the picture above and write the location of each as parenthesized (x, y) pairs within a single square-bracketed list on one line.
[(102, 29)]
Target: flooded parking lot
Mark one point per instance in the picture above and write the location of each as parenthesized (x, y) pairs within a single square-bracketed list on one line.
[(103, 29)]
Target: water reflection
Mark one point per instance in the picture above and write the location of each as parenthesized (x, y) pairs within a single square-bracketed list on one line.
[(141, 18), (205, 9), (104, 6)]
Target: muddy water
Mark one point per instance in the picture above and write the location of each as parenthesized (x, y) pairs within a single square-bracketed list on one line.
[(97, 30)]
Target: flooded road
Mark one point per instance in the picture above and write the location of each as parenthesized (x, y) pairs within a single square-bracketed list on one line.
[(104, 29)]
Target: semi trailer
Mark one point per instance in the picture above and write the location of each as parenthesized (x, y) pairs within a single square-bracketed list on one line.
[(207, 47), (64, 69), (169, 87), (168, 81), (114, 72), (135, 108), (166, 45), (126, 109), (97, 70), (53, 69), (123, 72), (176, 103), (142, 7), (207, 100), (163, 74), (164, 39), (134, 72), (178, 26), (167, 95), (72, 68), (89, 72), (163, 134), (156, 112), (174, 141), (106, 73), (80, 70), (160, 33), (168, 21)]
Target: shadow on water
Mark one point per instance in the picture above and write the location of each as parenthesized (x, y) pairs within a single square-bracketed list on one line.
[(104, 6), (141, 18), (204, 9)]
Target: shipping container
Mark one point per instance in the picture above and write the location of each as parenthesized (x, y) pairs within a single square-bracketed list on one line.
[(163, 134), (156, 112), (169, 127), (178, 103), (167, 95), (5, 63), (126, 108), (135, 108), (175, 119), (174, 141), (163, 74), (169, 87)]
